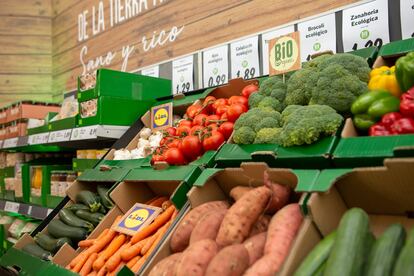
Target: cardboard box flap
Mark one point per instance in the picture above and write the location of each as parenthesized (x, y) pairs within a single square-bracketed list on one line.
[(205, 176), (179, 196), (326, 179), (113, 174), (397, 48), (173, 173), (306, 179)]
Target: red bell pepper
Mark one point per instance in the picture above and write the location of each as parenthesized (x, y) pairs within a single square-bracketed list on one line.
[(379, 130), (388, 119), (403, 126), (407, 103)]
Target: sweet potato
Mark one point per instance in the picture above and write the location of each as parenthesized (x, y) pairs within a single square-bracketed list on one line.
[(240, 218), (232, 260), (181, 237), (255, 247), (280, 194), (237, 192), (196, 258), (263, 267), (207, 227), (261, 225), (167, 266)]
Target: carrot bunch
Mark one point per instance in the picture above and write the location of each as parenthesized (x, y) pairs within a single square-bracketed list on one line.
[(111, 250)]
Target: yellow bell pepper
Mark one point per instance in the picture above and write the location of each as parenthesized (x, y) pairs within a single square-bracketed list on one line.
[(383, 78)]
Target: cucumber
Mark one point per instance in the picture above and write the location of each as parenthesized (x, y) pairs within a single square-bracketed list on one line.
[(385, 251), (317, 257), (35, 250), (320, 270), (90, 199), (349, 249), (103, 193), (77, 206), (103, 210), (94, 218), (50, 244), (58, 229), (405, 261), (68, 217)]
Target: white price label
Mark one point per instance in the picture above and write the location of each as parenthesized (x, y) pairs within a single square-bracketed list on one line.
[(245, 58), (49, 211), (29, 210), (37, 139), (11, 207), (365, 25), (215, 66), (182, 75), (265, 44), (10, 143), (60, 136), (1, 144), (151, 71), (83, 133), (317, 35), (407, 18)]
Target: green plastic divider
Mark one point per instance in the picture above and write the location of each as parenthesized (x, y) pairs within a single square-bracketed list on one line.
[(112, 175), (326, 178), (79, 165), (397, 47), (67, 123)]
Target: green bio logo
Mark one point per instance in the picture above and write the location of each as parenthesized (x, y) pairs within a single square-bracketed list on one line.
[(316, 46), (245, 64), (215, 71), (364, 34)]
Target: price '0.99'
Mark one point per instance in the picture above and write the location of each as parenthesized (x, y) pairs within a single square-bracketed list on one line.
[(248, 73), (220, 79), (183, 88), (378, 42)]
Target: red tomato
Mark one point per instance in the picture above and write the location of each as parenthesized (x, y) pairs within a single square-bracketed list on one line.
[(192, 110), (185, 123), (157, 158), (195, 130), (226, 129), (183, 131), (213, 141), (218, 102), (212, 119), (238, 100), (221, 109), (211, 127), (174, 143), (249, 89), (234, 112), (208, 103), (191, 147), (200, 120), (223, 116), (171, 131), (174, 156)]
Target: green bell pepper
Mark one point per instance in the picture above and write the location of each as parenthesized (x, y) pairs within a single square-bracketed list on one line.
[(384, 106), (363, 121), (363, 102), (404, 71)]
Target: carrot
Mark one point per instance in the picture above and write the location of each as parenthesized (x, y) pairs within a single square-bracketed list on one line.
[(93, 273), (133, 251), (151, 200), (87, 267), (139, 264), (101, 271), (175, 214), (166, 204), (150, 229), (115, 244), (115, 259), (133, 261), (149, 243), (86, 243), (117, 269), (159, 201), (160, 235)]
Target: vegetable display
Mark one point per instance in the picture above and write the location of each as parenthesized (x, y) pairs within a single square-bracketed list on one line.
[(404, 71)]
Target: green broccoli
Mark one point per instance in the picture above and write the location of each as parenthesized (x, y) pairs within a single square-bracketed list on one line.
[(244, 135), (247, 119), (268, 122), (300, 86), (274, 87), (254, 99), (353, 64), (268, 136), (337, 88), (272, 103), (315, 63), (289, 110)]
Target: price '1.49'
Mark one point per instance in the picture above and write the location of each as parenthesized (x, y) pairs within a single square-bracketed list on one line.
[(248, 73), (183, 88), (220, 79)]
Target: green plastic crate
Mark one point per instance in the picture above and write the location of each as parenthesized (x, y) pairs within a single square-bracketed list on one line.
[(79, 165), (66, 123)]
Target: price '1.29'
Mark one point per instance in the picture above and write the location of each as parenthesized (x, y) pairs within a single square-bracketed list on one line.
[(183, 88), (248, 73), (219, 80)]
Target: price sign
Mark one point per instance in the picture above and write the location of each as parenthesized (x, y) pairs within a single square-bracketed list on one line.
[(182, 75), (36, 139), (284, 54), (49, 211), (11, 207), (266, 37), (151, 71), (83, 133), (60, 136), (317, 35), (365, 25), (407, 18), (161, 116), (245, 58), (1, 144), (10, 143), (215, 66), (29, 210)]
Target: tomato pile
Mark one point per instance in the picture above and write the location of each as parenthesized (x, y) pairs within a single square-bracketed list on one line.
[(207, 125)]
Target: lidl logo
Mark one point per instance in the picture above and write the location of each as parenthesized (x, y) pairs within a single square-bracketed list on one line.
[(161, 116), (136, 218)]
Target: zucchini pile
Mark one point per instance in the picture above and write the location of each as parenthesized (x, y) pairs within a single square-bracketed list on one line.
[(353, 250), (74, 224)]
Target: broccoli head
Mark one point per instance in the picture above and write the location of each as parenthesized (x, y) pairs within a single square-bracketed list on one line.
[(250, 118), (300, 86), (254, 99), (274, 87), (268, 136), (315, 63), (272, 103), (244, 135), (337, 88), (355, 65), (268, 122)]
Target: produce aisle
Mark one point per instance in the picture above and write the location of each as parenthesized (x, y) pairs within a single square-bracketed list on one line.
[(285, 152)]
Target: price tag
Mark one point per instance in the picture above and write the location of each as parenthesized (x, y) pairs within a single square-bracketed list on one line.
[(49, 211), (60, 136), (266, 37), (182, 75), (83, 133), (365, 25), (151, 71), (407, 18), (10, 143), (215, 66), (245, 58), (284, 54), (317, 35), (37, 139), (11, 207)]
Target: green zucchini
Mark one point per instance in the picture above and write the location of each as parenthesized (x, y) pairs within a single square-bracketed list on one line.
[(103, 210), (68, 217), (50, 244), (405, 262), (385, 251), (321, 270), (103, 193), (349, 249), (90, 199), (94, 218), (317, 257), (58, 229), (35, 250), (77, 206)]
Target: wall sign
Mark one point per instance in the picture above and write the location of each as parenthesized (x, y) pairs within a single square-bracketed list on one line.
[(183, 75), (317, 35), (151, 71), (365, 25), (284, 54), (245, 58), (161, 116), (265, 44), (407, 18), (215, 66)]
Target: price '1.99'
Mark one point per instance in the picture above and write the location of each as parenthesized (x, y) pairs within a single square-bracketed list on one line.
[(248, 73), (183, 88)]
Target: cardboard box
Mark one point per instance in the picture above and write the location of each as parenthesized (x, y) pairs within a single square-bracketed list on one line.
[(27, 110), (215, 184), (3, 115)]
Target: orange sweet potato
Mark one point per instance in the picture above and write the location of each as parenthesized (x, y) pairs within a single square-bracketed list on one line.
[(280, 194), (207, 227), (255, 247), (166, 267), (232, 260)]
